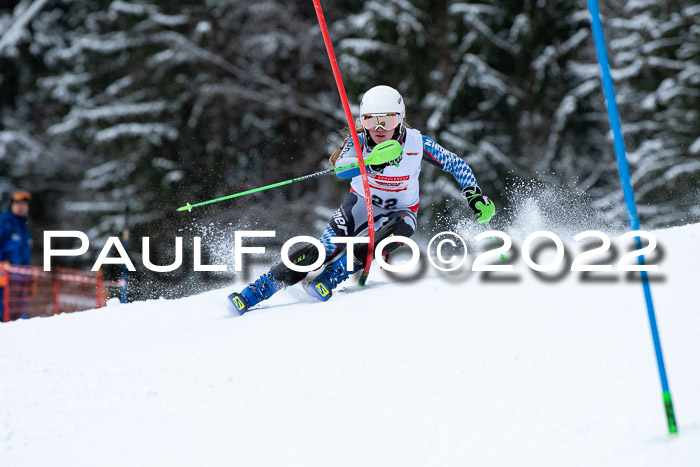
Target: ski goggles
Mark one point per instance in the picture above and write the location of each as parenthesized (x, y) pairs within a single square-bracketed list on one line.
[(386, 121)]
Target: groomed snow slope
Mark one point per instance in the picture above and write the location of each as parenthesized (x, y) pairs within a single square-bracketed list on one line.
[(439, 371)]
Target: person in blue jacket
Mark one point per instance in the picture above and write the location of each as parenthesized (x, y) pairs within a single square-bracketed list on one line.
[(15, 239)]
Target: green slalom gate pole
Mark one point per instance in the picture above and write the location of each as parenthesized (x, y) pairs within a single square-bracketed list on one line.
[(188, 207), (632, 216)]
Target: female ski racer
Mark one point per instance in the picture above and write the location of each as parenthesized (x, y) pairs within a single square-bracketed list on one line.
[(393, 180)]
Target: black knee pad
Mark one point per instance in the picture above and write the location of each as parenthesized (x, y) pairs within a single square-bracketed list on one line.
[(304, 255), (396, 226)]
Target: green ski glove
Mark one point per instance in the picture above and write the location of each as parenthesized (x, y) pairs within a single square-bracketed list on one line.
[(384, 154), (482, 206)]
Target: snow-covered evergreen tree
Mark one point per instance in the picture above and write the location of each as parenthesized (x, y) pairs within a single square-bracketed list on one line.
[(655, 55), (169, 102), (524, 93), (29, 157)]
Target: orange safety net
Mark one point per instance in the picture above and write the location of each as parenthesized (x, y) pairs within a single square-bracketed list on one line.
[(28, 292)]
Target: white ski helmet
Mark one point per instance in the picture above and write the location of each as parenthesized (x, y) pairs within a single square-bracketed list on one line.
[(383, 100)]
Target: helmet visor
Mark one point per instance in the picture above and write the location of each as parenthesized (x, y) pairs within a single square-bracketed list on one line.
[(386, 121)]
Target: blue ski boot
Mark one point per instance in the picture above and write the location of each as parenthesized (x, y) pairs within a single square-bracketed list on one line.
[(260, 290), (336, 272)]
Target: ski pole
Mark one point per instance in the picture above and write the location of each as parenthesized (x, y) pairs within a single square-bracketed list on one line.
[(188, 206)]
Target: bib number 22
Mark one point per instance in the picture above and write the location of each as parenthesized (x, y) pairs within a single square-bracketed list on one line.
[(384, 203)]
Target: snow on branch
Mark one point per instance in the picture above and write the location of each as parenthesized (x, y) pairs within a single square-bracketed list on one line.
[(552, 53), (691, 75), (60, 86), (631, 40), (140, 9), (638, 5), (155, 132), (659, 62), (477, 73), (567, 107), (119, 85), (15, 31), (485, 77), (470, 14), (175, 40), (232, 91), (443, 103), (361, 47), (390, 10), (495, 154), (34, 149), (585, 70), (694, 149), (669, 89), (660, 44), (476, 9), (629, 71), (113, 43), (690, 166), (113, 112)]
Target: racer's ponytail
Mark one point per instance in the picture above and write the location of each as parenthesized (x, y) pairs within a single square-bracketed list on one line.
[(335, 154)]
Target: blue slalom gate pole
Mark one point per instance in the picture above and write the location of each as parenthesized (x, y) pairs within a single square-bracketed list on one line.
[(632, 216)]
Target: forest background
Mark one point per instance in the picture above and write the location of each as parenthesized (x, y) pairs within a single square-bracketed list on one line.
[(146, 106)]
